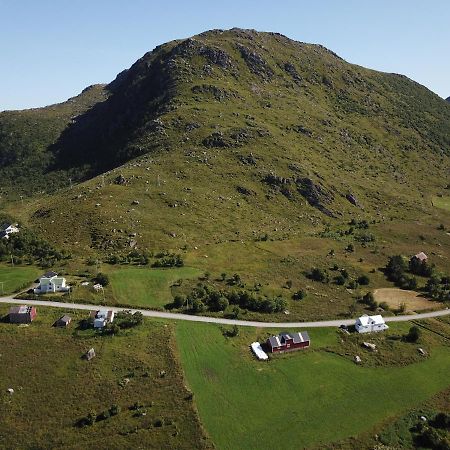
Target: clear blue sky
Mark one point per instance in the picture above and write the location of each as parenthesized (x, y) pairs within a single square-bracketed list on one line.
[(51, 50)]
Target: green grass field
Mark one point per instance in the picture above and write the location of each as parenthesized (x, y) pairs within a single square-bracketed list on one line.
[(442, 202), (54, 387), (297, 400), (15, 278), (145, 286)]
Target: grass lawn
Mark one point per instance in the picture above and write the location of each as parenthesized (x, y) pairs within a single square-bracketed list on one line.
[(145, 286), (54, 387), (16, 278), (296, 400), (442, 202)]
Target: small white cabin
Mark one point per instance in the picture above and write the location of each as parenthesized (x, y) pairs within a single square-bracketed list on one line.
[(370, 324)]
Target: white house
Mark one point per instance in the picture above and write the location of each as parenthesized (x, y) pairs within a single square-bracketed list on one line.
[(8, 228), (50, 282), (369, 324)]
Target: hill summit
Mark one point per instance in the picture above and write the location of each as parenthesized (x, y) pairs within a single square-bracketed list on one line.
[(231, 125)]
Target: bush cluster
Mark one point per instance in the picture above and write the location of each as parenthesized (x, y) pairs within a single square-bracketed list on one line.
[(203, 298)]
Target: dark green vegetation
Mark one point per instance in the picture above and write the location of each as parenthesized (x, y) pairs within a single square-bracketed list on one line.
[(27, 160), (131, 395), (437, 284), (308, 398)]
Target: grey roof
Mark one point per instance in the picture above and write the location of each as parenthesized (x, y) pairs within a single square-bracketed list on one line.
[(65, 319), (297, 338), (49, 274), (274, 342)]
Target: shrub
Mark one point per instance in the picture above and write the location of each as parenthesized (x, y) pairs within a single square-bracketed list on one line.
[(339, 279), (299, 295), (317, 274), (114, 410), (363, 280)]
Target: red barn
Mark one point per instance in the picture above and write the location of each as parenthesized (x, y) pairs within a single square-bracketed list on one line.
[(286, 342), (22, 314)]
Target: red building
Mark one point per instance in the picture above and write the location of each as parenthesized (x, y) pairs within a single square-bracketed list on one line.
[(286, 342), (22, 314)]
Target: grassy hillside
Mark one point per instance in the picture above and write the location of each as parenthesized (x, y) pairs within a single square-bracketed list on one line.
[(54, 388), (242, 133), (250, 153), (303, 399)]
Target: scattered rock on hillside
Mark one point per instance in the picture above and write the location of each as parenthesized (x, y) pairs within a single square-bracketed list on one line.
[(315, 195), (255, 62), (244, 191), (216, 139), (292, 71), (352, 199), (120, 180)]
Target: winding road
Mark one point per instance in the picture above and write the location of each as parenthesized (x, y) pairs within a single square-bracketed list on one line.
[(245, 323)]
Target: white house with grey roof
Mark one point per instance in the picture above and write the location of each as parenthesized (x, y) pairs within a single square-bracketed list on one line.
[(50, 282), (370, 324), (8, 228)]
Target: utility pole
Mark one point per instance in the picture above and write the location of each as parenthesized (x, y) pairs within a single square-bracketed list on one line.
[(12, 260)]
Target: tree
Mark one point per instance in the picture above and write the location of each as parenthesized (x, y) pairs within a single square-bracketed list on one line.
[(102, 279), (179, 301), (413, 334)]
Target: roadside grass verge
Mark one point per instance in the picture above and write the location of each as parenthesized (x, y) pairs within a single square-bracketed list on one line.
[(300, 399)]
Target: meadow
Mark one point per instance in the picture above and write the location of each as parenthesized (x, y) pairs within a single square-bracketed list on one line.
[(147, 287), (54, 387), (442, 203), (13, 279), (304, 399)]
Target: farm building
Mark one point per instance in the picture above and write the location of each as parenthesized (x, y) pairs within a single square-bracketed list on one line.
[(50, 282), (63, 321), (286, 342), (102, 317), (22, 314), (369, 324), (8, 228)]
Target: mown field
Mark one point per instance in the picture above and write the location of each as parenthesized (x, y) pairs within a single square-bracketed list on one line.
[(304, 399), (15, 278), (147, 287), (54, 387)]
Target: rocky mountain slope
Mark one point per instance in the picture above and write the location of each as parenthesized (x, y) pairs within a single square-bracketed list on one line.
[(223, 135)]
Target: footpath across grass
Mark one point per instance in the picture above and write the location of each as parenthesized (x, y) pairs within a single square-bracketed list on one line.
[(297, 400), (145, 286), (15, 278)]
